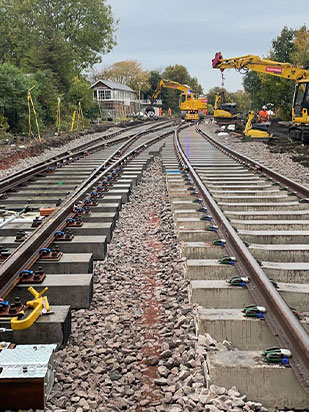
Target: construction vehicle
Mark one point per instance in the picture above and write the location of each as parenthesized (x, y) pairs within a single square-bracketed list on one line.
[(224, 113), (192, 106), (299, 129)]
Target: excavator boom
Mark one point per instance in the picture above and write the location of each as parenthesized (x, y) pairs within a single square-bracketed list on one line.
[(300, 106), (250, 62), (171, 85)]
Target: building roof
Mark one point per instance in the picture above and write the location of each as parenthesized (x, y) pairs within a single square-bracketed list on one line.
[(113, 85)]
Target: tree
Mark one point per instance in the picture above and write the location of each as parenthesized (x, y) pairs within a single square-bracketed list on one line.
[(154, 79), (211, 95), (283, 46), (14, 86), (63, 36), (127, 72), (265, 89), (242, 99), (300, 53)]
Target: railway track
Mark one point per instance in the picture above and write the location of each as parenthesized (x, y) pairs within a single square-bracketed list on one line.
[(80, 193), (244, 234)]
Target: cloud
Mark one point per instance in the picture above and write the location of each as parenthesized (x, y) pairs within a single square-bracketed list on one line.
[(164, 32)]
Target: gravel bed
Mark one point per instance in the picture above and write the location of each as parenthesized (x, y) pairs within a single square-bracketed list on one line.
[(52, 151), (136, 348), (281, 162)]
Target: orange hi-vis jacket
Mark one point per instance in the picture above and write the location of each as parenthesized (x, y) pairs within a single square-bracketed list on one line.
[(263, 116)]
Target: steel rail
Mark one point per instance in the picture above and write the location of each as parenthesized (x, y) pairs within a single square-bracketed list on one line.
[(285, 327), (300, 191), (28, 252), (24, 175)]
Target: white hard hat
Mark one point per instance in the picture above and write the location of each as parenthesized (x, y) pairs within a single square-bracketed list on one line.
[(264, 107)]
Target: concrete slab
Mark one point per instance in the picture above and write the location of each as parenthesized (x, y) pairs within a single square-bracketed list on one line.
[(202, 250), (239, 188), (195, 235), (287, 272), (269, 214), (249, 372), (68, 263), (97, 245), (255, 199), (184, 204), (75, 290), (231, 324), (191, 222), (181, 213), (280, 253), (51, 328), (219, 294), (262, 206), (96, 217), (275, 236), (203, 269), (270, 224), (88, 229)]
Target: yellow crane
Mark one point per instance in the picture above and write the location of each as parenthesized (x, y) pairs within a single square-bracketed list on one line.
[(192, 106), (300, 106)]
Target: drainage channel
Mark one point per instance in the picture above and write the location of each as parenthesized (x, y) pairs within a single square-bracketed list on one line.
[(61, 250), (238, 229)]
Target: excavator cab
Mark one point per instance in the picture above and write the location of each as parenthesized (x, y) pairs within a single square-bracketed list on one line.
[(224, 113), (301, 102)]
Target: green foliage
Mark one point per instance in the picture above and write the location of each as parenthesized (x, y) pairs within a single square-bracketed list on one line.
[(47, 44), (13, 96), (283, 46), (80, 92), (300, 53), (154, 79), (63, 36), (211, 95)]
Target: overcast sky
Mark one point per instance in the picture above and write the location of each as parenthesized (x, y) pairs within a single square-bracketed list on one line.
[(159, 33)]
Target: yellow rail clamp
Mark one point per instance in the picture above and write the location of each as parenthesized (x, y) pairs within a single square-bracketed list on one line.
[(39, 304)]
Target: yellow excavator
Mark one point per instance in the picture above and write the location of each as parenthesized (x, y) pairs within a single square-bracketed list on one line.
[(192, 106), (299, 129), (224, 112)]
